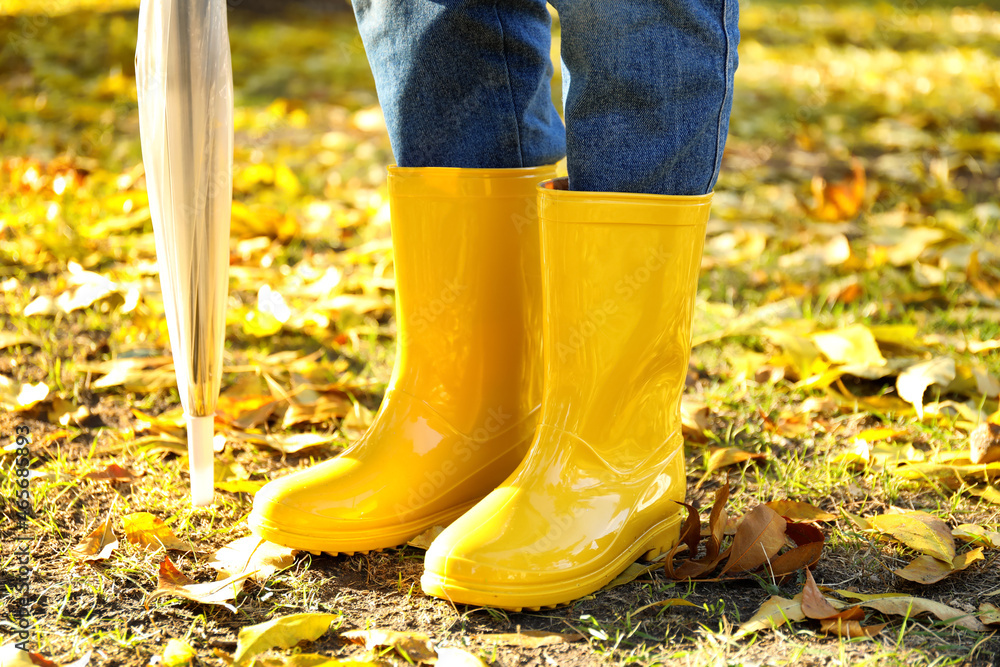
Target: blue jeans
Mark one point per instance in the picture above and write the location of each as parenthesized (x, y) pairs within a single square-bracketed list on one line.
[(647, 87)]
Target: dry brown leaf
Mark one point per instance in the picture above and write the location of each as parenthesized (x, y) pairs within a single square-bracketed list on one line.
[(530, 638), (815, 605), (718, 519), (726, 456), (315, 408), (694, 419), (807, 537), (424, 539), (162, 444), (866, 596), (928, 570), (413, 647), (970, 532), (171, 422), (244, 412), (139, 374), (989, 494), (36, 659), (952, 457), (64, 411), (691, 531), (758, 539), (98, 545), (905, 605), (174, 583), (114, 473), (251, 554), (799, 511), (840, 200), (852, 629), (984, 443), (693, 569), (149, 532), (804, 533), (989, 614), (286, 443), (793, 560), (9, 339), (914, 381), (21, 396), (921, 532)]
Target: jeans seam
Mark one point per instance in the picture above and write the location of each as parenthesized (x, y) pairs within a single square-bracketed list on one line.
[(510, 90), (719, 139)]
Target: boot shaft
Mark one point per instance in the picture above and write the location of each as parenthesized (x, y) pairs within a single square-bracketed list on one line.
[(468, 292), (620, 275)]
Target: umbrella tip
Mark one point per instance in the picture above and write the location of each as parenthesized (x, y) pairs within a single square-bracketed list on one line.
[(201, 459)]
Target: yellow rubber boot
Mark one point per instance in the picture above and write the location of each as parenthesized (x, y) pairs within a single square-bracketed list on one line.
[(597, 488), (463, 401)]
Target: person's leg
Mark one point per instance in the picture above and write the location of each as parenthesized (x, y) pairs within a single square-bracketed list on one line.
[(465, 89), (464, 83), (647, 115), (648, 92)]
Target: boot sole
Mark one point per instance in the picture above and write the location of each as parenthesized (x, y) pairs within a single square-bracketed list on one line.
[(657, 540), (344, 544)]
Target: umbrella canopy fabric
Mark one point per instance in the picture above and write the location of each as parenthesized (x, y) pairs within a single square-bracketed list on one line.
[(185, 92)]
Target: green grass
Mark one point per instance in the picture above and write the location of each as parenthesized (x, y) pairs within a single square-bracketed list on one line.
[(907, 88)]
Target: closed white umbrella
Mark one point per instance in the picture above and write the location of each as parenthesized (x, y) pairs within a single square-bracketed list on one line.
[(185, 91)]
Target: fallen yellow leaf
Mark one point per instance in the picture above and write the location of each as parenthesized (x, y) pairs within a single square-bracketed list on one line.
[(905, 605), (912, 382), (775, 612), (928, 570), (851, 345), (800, 511), (282, 632), (252, 554), (924, 533), (148, 531), (171, 582), (530, 638), (98, 545), (727, 456)]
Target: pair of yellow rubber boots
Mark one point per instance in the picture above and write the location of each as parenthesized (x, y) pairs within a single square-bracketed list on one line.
[(534, 407)]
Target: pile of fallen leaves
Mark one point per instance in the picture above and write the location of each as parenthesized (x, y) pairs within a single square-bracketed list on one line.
[(254, 559), (758, 538), (924, 533), (845, 618), (851, 279)]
